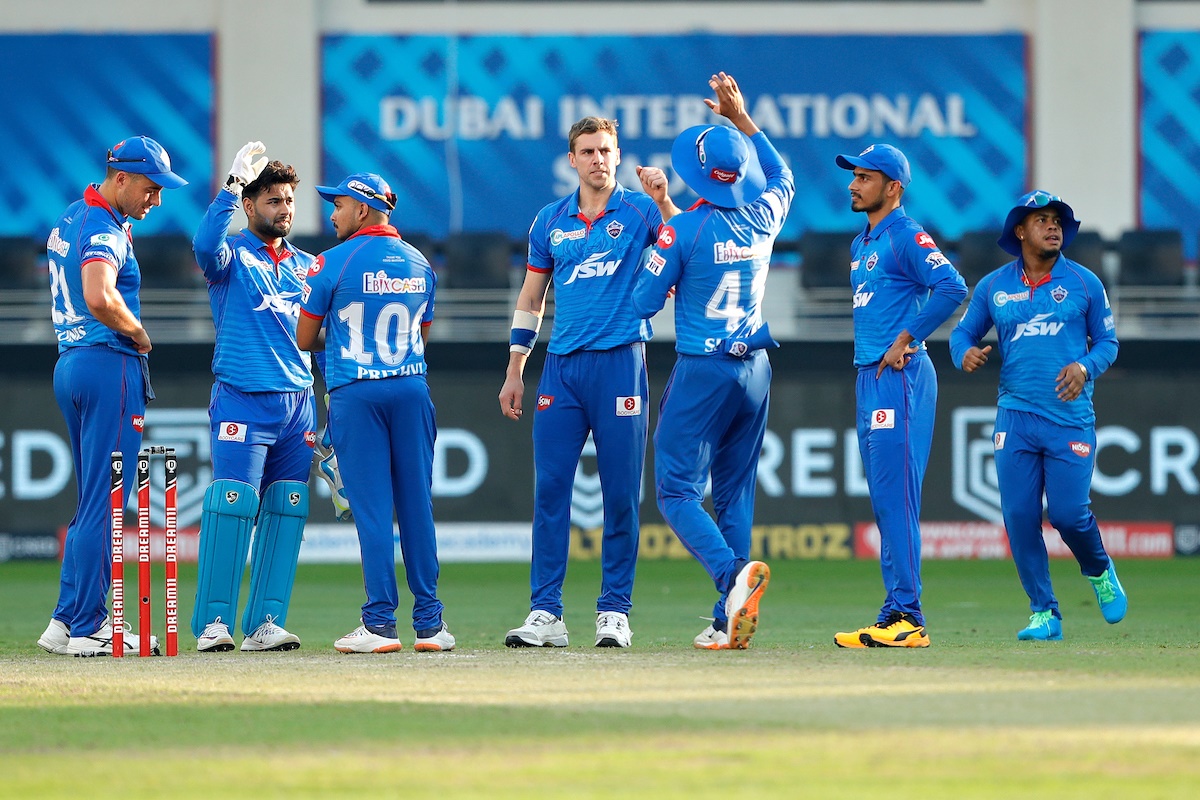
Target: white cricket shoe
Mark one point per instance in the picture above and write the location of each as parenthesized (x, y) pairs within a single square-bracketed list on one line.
[(612, 629), (55, 638), (741, 606), (361, 640), (100, 642), (327, 470), (270, 636), (215, 639), (440, 640), (711, 639), (541, 629)]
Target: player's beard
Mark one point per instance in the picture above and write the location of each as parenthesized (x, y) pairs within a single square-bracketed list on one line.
[(860, 204), (271, 230)]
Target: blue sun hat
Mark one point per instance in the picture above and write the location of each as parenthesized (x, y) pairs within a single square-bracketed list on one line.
[(881, 158), (144, 156), (1026, 205), (720, 164)]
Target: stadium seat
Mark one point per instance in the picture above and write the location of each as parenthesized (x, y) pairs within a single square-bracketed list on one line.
[(1088, 248), (1151, 258), (976, 254), (825, 259), (21, 263), (478, 260), (167, 262)]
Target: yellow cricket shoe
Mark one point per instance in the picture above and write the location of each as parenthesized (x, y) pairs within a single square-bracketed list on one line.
[(852, 639), (897, 630)]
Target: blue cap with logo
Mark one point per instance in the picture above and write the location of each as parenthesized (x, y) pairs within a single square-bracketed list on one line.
[(1026, 205), (720, 164), (881, 158), (144, 156), (366, 187)]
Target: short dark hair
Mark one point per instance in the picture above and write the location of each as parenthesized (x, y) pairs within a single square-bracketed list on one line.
[(590, 125), (276, 172)]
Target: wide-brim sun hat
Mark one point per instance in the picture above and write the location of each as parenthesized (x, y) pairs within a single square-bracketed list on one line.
[(1026, 205), (720, 164)]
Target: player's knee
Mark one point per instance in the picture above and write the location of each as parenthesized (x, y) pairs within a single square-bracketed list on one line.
[(286, 498)]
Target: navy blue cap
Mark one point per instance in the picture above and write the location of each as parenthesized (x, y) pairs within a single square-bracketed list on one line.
[(881, 158), (720, 164), (144, 156), (366, 187), (1026, 205)]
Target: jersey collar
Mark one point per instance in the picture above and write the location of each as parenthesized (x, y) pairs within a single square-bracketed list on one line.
[(376, 230), (614, 202), (92, 196), (891, 219)]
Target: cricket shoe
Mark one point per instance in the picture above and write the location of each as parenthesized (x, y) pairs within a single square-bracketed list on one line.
[(270, 636), (100, 642), (1110, 595), (612, 629), (55, 638), (369, 639), (711, 639), (541, 629), (434, 640), (898, 630), (327, 470), (215, 639), (741, 606), (1043, 627)]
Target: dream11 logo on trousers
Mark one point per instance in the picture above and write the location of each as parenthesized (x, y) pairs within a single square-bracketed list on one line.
[(1173, 455)]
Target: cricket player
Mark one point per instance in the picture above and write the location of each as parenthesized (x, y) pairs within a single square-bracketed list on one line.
[(374, 292), (904, 288), (262, 411), (1056, 336), (102, 378), (714, 410), (589, 244)]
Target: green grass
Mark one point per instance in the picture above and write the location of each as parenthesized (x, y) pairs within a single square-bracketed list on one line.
[(1111, 711)]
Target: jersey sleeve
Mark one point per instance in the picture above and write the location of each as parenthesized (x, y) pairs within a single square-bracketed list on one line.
[(776, 200), (539, 247), (923, 262), (213, 252), (975, 323), (110, 246), (1102, 330), (431, 276), (318, 290), (660, 271)]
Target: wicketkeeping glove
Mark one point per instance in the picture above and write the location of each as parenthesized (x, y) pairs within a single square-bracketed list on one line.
[(245, 169)]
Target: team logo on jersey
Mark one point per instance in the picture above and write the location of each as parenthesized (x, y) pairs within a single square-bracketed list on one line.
[(55, 244), (1038, 326), (594, 266), (310, 438), (558, 236), (998, 439), (872, 260), (1058, 293), (614, 229), (139, 422), (925, 240), (544, 401), (629, 406), (936, 259), (739, 349), (1081, 449), (316, 265), (666, 237), (231, 432), (883, 419), (655, 264)]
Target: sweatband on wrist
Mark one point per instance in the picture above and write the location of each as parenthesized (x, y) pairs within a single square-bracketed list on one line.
[(525, 327)]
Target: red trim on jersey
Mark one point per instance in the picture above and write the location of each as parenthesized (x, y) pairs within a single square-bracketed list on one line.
[(92, 196), (697, 204), (311, 315), (375, 230), (538, 270), (101, 260)]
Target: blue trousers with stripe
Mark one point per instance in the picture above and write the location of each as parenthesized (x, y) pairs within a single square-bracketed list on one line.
[(895, 417), (605, 393), (1036, 455)]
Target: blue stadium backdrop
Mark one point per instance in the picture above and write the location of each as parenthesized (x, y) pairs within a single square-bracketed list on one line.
[(68, 98), (472, 129), (1169, 160)]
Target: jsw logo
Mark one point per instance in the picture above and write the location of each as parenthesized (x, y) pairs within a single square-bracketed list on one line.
[(861, 298), (594, 266), (280, 304), (1038, 327)]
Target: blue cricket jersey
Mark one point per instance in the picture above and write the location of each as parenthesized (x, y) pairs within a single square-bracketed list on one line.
[(255, 298), (594, 265), (90, 230), (1041, 329), (717, 260), (375, 292), (901, 281)]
